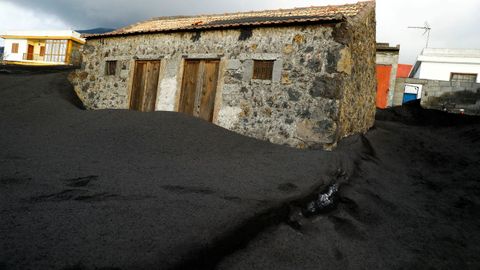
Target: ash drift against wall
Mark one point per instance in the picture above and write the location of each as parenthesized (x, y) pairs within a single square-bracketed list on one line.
[(322, 86)]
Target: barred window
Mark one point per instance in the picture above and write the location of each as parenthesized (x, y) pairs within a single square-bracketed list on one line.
[(463, 77), (110, 67), (262, 69)]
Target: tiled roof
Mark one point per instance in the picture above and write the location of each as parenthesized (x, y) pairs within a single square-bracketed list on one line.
[(231, 20)]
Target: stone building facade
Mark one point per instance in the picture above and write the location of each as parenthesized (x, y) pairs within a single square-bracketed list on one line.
[(303, 77)]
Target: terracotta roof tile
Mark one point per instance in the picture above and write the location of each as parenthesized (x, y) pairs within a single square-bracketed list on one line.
[(253, 18)]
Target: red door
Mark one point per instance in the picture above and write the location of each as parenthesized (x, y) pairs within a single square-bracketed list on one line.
[(30, 52), (383, 84)]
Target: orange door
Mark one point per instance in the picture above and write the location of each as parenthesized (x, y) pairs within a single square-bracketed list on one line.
[(383, 84)]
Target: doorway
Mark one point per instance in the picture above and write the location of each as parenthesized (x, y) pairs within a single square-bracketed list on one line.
[(145, 84), (30, 52), (383, 85), (199, 87)]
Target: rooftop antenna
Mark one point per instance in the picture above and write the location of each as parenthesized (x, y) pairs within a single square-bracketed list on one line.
[(427, 29)]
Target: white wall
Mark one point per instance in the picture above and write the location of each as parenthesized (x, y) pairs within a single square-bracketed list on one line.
[(22, 48), (442, 71)]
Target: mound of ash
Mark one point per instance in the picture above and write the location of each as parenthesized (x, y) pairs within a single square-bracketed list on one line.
[(412, 113)]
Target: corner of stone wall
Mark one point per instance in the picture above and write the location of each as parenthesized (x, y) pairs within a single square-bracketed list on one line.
[(357, 108), (79, 78)]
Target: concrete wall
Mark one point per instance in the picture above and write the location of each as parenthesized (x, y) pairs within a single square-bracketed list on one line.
[(442, 71), (22, 48), (323, 85), (442, 94)]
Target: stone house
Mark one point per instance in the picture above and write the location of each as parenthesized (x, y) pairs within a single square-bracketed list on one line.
[(303, 77)]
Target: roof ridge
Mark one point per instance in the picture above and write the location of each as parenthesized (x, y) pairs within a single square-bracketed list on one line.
[(243, 18), (253, 11), (237, 13)]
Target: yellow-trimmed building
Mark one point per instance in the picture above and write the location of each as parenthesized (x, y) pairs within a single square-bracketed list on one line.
[(42, 47)]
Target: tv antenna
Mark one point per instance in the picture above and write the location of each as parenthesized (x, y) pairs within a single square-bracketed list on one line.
[(427, 29)]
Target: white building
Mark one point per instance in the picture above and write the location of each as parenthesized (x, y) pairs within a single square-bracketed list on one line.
[(42, 47), (448, 65)]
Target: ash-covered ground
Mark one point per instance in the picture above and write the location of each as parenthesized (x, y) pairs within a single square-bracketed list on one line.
[(117, 189)]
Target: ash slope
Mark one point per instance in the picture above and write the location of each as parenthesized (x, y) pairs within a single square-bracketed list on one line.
[(127, 190), (121, 189), (412, 203)]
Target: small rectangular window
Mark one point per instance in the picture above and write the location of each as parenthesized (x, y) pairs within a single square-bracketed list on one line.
[(463, 77), (14, 47), (110, 67), (42, 51), (262, 69)]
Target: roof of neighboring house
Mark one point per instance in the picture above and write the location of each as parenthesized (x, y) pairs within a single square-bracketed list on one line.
[(449, 55), (403, 70), (253, 18), (386, 47), (452, 56), (43, 34)]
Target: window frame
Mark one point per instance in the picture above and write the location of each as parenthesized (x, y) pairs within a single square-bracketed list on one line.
[(263, 70), (452, 74), (42, 51), (109, 70), (15, 47)]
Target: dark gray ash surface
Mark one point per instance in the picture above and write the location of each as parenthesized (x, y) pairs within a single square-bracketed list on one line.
[(117, 189)]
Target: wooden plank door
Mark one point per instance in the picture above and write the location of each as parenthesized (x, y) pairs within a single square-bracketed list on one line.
[(30, 52), (209, 90), (189, 86), (144, 87), (199, 88)]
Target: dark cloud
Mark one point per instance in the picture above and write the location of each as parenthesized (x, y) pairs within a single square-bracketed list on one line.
[(95, 13)]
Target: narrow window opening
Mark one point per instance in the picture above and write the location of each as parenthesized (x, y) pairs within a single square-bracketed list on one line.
[(263, 69), (110, 67)]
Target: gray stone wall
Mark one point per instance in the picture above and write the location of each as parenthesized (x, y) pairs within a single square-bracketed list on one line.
[(357, 111), (299, 107), (452, 96)]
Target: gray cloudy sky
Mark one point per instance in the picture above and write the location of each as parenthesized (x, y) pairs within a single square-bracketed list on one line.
[(455, 23)]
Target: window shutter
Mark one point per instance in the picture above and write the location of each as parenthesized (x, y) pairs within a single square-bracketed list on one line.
[(110, 67), (14, 47), (263, 69)]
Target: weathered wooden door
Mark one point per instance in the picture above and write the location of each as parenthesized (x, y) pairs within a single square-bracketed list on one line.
[(199, 88), (30, 52), (145, 85)]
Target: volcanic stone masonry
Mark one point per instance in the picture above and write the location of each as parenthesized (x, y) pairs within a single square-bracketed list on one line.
[(322, 86)]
